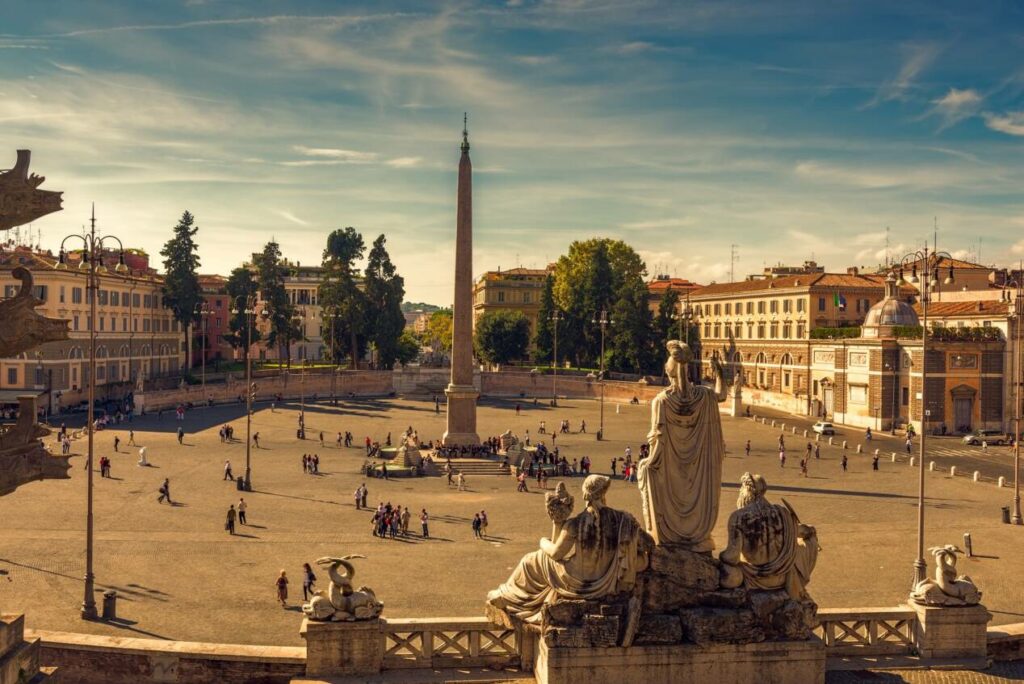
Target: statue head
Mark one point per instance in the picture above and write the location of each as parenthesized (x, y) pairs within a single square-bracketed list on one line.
[(679, 351), (594, 488), (752, 489)]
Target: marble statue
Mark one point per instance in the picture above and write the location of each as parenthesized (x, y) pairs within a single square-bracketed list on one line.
[(768, 547), (21, 200), (507, 440), (680, 479), (341, 602), (596, 554), (946, 589), (23, 458), (22, 328)]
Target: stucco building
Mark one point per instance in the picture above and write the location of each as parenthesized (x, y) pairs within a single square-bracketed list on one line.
[(517, 289)]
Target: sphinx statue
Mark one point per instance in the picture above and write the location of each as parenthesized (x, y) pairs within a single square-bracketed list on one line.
[(769, 548), (23, 458), (594, 555), (946, 589), (340, 602), (21, 328), (680, 479), (21, 200)]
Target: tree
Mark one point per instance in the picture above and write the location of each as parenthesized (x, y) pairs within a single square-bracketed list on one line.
[(241, 286), (340, 290), (181, 264), (665, 323), (270, 275), (384, 290), (408, 348), (501, 336), (632, 336), (439, 331), (543, 338)]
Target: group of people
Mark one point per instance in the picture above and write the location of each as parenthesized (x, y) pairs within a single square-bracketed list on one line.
[(236, 513), (311, 464), (489, 447), (629, 466), (226, 433), (392, 521)]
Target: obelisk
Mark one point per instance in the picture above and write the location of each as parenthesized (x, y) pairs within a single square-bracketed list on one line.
[(461, 393)]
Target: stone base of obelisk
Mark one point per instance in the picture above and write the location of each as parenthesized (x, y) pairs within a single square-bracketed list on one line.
[(779, 662), (461, 416)]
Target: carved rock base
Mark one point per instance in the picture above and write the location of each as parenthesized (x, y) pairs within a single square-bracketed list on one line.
[(779, 662), (956, 632)]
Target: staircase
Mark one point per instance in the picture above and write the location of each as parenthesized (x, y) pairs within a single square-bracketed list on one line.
[(19, 659), (473, 466)]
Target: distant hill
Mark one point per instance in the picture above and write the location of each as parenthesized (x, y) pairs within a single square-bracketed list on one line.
[(408, 307)]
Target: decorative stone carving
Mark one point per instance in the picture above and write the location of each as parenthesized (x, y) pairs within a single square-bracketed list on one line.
[(21, 328), (946, 589), (23, 458), (590, 564), (341, 602), (21, 200), (507, 440), (769, 548), (681, 478)]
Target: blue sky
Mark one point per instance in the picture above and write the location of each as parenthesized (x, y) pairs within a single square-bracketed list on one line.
[(793, 129)]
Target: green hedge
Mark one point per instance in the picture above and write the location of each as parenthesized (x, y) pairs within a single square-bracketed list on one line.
[(833, 333)]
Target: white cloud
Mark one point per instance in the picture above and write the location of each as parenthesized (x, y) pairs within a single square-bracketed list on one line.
[(635, 46), (919, 57), (404, 162), (288, 216), (956, 105), (1011, 123), (658, 223), (339, 155)]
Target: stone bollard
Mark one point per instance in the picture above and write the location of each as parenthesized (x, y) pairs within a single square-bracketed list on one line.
[(794, 430), (860, 448), (931, 465), (817, 436), (773, 423), (911, 461), (805, 433), (844, 443), (977, 476), (894, 457), (1002, 482), (952, 471), (782, 426), (830, 441)]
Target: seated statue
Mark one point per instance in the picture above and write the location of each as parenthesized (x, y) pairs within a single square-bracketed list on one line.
[(768, 548), (946, 589), (593, 555)]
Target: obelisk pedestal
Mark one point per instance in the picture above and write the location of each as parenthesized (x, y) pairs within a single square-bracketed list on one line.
[(461, 393)]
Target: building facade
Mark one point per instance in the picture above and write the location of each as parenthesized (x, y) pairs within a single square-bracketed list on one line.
[(214, 323), (136, 335), (517, 289), (661, 284)]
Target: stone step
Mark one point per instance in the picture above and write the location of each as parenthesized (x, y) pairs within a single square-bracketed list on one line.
[(46, 675), (471, 675), (12, 631), (20, 663)]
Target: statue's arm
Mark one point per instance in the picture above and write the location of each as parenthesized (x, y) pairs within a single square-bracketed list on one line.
[(561, 546), (731, 553)]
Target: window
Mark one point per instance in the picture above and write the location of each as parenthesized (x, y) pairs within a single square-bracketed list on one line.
[(124, 325), (760, 331), (800, 331), (501, 296), (102, 321), (738, 331), (750, 329), (728, 308), (906, 396), (786, 331), (707, 330), (147, 301), (773, 306), (167, 325), (760, 307), (61, 294), (102, 301), (718, 309), (135, 299), (821, 303), (774, 328), (113, 324), (74, 323), (750, 307), (800, 306), (145, 325), (115, 298), (787, 306), (135, 324), (526, 298), (718, 330), (787, 379), (12, 376), (76, 295), (858, 394), (986, 324)]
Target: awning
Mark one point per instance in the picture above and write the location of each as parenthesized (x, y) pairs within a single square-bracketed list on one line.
[(10, 396)]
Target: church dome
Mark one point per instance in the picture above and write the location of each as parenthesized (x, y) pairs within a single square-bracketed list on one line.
[(889, 312)]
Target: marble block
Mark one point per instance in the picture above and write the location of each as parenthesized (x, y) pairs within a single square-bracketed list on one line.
[(944, 632)]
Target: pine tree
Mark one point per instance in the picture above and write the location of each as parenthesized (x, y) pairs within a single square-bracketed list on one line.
[(270, 275), (181, 264), (240, 287), (631, 348), (384, 290), (340, 291), (665, 322), (542, 337)]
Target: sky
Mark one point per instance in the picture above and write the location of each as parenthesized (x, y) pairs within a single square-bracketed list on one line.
[(794, 130)]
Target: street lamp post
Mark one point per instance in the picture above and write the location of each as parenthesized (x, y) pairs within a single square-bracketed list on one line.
[(92, 265), (683, 316), (1018, 316), (930, 265), (555, 318), (330, 315), (203, 311), (248, 308), (603, 321)]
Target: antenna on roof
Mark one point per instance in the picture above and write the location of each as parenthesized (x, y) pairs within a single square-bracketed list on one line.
[(887, 246), (734, 256)]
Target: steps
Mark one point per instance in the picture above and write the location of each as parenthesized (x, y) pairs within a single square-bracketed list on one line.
[(473, 466), (19, 659)]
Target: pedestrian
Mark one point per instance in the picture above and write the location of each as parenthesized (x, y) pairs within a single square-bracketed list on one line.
[(782, 442), (131, 438), (483, 523), (746, 449), (366, 493), (782, 457), (358, 496), (614, 462), (316, 464), (230, 524), (165, 492), (256, 439), (305, 463), (321, 439), (308, 580), (424, 520), (242, 506), (810, 449), (227, 471), (583, 427), (117, 441), (843, 462), (874, 462), (282, 589), (909, 443), (462, 482), (867, 435), (181, 434), (476, 526), (406, 515), (803, 467), (522, 482), (384, 470), (817, 451), (518, 409)]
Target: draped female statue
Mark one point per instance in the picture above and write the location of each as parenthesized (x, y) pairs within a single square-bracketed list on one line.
[(680, 479)]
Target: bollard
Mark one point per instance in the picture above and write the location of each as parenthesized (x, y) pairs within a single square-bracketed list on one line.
[(952, 471), (805, 433), (830, 441), (773, 423), (967, 544), (1006, 515), (931, 465), (794, 430), (617, 407), (860, 448), (977, 476), (1002, 482), (844, 443), (782, 426), (894, 457), (911, 461), (817, 436)]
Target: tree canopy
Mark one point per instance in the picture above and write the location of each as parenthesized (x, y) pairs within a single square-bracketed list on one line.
[(502, 336), (241, 286), (384, 290), (270, 275), (340, 293), (181, 291)]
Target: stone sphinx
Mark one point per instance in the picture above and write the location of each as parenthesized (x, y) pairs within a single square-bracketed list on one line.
[(341, 602), (947, 589), (593, 557), (769, 548), (21, 328), (21, 200), (23, 458), (681, 478)]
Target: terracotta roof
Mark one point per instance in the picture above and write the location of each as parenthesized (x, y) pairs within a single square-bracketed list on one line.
[(830, 280), (976, 307), (659, 285), (945, 262)]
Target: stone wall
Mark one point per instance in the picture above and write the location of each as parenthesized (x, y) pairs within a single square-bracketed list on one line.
[(1006, 642), (90, 659), (530, 385)]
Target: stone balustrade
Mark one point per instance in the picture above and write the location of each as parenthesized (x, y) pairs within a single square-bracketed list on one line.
[(867, 631), (448, 642)]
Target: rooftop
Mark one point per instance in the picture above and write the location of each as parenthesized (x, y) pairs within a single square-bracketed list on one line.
[(975, 307), (819, 280)]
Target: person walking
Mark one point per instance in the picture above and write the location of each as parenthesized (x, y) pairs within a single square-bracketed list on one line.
[(308, 580), (230, 524), (476, 526), (384, 470), (817, 451), (424, 521), (282, 589), (358, 496), (843, 461), (366, 492), (909, 443), (803, 467), (321, 439), (483, 523), (227, 471), (256, 440), (782, 457), (583, 427), (131, 438), (461, 479), (810, 449), (165, 491), (117, 441), (746, 449), (874, 462), (181, 434), (406, 516), (242, 506), (521, 487)]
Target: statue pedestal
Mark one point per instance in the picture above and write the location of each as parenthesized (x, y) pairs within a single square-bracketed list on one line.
[(779, 662), (943, 633), (342, 648)]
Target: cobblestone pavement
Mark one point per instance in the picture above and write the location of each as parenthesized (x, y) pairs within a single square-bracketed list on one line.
[(999, 672)]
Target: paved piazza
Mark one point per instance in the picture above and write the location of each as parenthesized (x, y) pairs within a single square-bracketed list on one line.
[(181, 576)]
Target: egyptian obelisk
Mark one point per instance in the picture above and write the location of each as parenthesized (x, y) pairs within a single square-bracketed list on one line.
[(461, 393)]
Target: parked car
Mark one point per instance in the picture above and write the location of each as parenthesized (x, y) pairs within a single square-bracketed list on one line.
[(996, 437), (823, 428)]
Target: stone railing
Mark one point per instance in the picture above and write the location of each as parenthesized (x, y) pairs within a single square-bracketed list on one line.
[(867, 631), (448, 642)]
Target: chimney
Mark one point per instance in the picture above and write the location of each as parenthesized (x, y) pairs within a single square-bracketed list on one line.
[(852, 270)]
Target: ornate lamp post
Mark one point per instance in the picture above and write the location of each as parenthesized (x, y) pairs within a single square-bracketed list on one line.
[(684, 315), (1018, 320), (92, 266), (203, 312), (555, 318), (300, 315), (603, 321), (331, 314), (248, 307), (929, 261)]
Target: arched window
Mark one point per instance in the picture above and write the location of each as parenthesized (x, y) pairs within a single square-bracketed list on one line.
[(787, 372), (101, 352), (123, 351), (759, 370), (787, 360)]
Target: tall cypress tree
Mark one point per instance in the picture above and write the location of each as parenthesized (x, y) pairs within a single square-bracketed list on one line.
[(340, 290), (240, 287), (384, 290), (270, 275), (181, 282)]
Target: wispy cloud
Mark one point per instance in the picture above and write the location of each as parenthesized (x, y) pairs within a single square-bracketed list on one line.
[(955, 106), (340, 155), (404, 162), (658, 223), (288, 216), (1017, 247), (919, 57), (1011, 123)]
